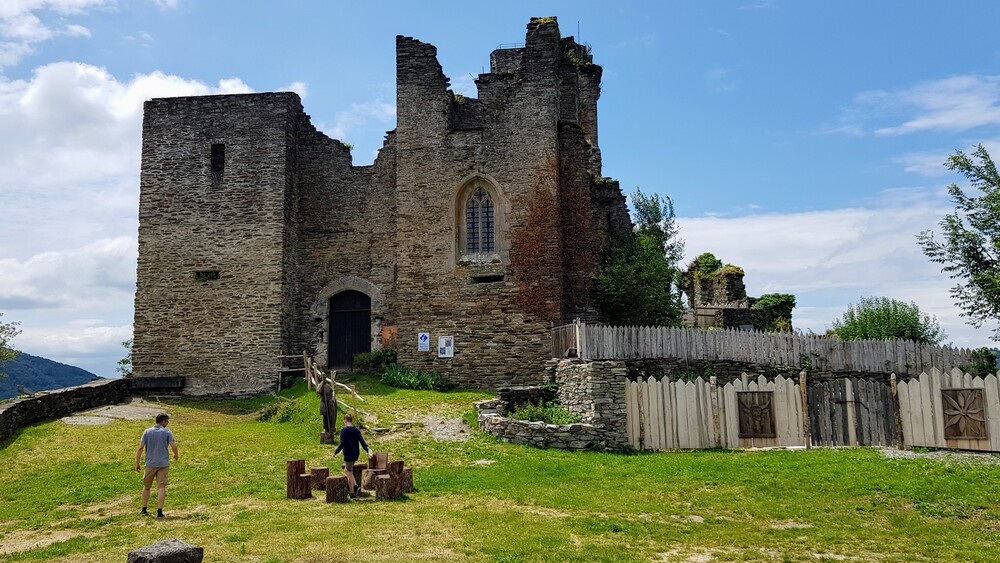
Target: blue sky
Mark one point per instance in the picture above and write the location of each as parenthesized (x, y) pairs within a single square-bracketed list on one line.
[(800, 140)]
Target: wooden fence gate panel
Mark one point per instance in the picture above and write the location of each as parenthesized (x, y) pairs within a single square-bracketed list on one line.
[(852, 412)]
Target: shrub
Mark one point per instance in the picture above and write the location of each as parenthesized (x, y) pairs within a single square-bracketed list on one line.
[(984, 362), (881, 318), (376, 360), (402, 377), (282, 410), (549, 413)]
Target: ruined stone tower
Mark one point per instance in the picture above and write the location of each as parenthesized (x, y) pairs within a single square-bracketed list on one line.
[(482, 219)]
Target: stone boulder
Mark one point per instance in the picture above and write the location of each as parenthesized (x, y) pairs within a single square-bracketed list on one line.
[(167, 551)]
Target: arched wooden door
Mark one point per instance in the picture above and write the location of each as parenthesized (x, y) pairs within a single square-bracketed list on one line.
[(350, 327)]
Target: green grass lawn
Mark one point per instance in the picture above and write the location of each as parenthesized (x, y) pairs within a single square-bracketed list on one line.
[(71, 491)]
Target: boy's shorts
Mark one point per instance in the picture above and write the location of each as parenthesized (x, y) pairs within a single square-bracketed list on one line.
[(160, 473), (349, 465)]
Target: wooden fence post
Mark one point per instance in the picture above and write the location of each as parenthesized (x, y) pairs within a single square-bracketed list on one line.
[(899, 417), (714, 390), (804, 392)]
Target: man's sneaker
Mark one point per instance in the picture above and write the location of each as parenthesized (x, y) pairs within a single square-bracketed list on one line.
[(357, 490), (143, 512), (159, 514)]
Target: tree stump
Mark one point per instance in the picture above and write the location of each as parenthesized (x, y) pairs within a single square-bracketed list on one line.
[(303, 487), (386, 488), (293, 485), (406, 481), (359, 469), (379, 461), (319, 475), (336, 488), (370, 476), (395, 469)]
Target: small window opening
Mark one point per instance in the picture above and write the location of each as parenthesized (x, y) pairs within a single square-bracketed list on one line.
[(487, 278), (206, 275), (218, 157)]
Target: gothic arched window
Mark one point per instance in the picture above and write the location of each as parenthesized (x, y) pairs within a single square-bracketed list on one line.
[(480, 224)]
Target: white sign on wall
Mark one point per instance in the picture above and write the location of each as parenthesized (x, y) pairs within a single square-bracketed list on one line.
[(424, 342), (446, 346)]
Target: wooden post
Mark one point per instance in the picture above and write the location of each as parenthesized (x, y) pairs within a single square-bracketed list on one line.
[(336, 488), (716, 425), (406, 481), (293, 469), (319, 475), (386, 488), (900, 444), (804, 392)]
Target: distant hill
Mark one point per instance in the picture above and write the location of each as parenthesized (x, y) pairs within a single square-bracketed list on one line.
[(39, 374)]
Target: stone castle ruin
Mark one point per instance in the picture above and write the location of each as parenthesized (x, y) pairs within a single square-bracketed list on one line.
[(479, 224)]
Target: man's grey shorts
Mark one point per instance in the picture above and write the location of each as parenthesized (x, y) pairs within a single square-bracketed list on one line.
[(349, 465)]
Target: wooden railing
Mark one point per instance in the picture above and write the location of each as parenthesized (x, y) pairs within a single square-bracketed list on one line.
[(600, 342)]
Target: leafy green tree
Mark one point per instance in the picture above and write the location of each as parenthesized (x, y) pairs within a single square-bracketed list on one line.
[(7, 332), (125, 364), (970, 250), (882, 318), (638, 281), (776, 311), (983, 362)]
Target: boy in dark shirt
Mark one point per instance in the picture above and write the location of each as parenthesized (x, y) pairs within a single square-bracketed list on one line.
[(350, 437)]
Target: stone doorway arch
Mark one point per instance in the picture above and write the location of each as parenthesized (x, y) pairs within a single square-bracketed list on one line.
[(321, 309)]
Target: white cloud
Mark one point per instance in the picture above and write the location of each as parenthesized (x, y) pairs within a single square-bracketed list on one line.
[(465, 85), (74, 30), (300, 88), (829, 259), (69, 180), (22, 25), (360, 114), (957, 103), (166, 4), (721, 80)]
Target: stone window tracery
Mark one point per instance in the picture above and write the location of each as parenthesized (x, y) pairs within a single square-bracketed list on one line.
[(480, 223)]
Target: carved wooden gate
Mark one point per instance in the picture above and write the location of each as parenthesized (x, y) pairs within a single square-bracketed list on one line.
[(852, 412)]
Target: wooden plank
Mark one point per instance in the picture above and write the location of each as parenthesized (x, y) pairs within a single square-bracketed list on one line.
[(690, 389), (683, 432), (629, 414), (670, 413), (991, 390), (656, 413)]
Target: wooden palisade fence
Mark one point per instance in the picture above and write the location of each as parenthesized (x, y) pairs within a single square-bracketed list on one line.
[(602, 342), (937, 409)]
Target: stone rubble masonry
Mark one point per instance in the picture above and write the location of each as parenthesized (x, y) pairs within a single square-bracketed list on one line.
[(238, 266), (47, 405), (593, 390), (167, 551)]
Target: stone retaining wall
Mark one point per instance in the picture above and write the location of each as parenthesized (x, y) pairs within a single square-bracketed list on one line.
[(47, 405), (594, 391)]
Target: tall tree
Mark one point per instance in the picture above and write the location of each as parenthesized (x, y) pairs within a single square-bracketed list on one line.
[(7, 332), (882, 318), (970, 249), (638, 281)]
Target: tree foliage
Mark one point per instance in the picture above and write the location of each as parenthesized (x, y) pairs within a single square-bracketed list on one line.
[(970, 249), (638, 281), (7, 332), (125, 364), (882, 318), (775, 311)]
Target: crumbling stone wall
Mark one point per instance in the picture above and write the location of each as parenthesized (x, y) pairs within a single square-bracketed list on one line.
[(238, 265)]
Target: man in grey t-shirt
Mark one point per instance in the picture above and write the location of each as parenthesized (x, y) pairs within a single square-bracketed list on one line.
[(155, 441)]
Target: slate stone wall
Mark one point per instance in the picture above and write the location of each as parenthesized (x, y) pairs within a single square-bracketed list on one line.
[(290, 222), (213, 291), (48, 405)]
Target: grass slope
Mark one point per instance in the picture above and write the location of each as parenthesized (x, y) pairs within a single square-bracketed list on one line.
[(71, 491)]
